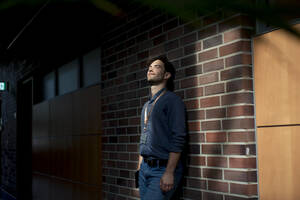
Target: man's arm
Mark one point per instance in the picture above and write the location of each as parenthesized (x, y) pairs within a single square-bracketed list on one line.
[(167, 180), (140, 162)]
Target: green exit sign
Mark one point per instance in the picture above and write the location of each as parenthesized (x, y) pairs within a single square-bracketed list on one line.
[(3, 86)]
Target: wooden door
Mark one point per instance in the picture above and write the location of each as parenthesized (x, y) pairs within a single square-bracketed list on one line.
[(277, 97)]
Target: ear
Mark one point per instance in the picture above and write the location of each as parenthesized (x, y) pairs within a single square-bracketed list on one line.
[(167, 75)]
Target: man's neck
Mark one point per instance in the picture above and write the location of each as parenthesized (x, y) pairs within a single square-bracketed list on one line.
[(156, 88)]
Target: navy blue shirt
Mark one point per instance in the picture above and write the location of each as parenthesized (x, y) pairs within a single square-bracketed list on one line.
[(166, 130)]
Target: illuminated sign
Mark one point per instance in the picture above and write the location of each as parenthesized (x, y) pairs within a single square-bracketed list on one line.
[(3, 86)]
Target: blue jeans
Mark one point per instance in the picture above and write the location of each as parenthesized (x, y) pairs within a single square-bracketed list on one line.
[(149, 182)]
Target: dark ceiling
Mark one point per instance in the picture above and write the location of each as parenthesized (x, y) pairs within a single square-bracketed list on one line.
[(59, 32)]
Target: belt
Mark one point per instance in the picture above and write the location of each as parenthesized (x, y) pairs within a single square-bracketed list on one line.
[(156, 162)]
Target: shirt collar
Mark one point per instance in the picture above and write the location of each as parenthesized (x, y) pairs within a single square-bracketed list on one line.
[(156, 95)]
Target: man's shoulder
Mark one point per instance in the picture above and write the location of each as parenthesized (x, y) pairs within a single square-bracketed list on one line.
[(172, 96)]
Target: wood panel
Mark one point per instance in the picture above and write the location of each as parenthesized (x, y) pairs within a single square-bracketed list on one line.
[(71, 149), (61, 115), (86, 117), (277, 82), (279, 163), (40, 119)]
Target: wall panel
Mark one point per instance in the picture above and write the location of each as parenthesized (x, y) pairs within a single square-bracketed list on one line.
[(279, 163), (277, 97), (66, 147), (277, 83)]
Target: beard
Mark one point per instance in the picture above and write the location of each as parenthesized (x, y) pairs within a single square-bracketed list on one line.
[(155, 81)]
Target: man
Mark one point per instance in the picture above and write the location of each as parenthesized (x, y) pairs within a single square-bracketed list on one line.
[(163, 135)]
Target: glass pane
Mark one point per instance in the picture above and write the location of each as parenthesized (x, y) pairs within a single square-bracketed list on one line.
[(68, 77), (91, 67), (49, 86)]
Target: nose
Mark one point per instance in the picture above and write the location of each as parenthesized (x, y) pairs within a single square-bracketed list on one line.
[(150, 69)]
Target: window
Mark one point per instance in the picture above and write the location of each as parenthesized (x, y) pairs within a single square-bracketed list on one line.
[(49, 86), (68, 77), (91, 68)]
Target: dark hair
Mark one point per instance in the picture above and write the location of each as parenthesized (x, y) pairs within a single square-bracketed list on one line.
[(168, 68)]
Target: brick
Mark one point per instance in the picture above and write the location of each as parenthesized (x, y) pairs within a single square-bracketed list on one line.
[(217, 162), (238, 124), (193, 26), (194, 92), (145, 45), (209, 102), (244, 84), (243, 189), (196, 115), (161, 18), (237, 98), (240, 59), (207, 55), (212, 173), (235, 47), (142, 37), (192, 194), (212, 18), (132, 148), (145, 26), (132, 130), (188, 39), (235, 149), (212, 42), (240, 33), (189, 82), (155, 32), (191, 104), (195, 183), (216, 113), (194, 126), (143, 55), (194, 172), (123, 156), (207, 32), (194, 149), (160, 39), (213, 65), (211, 149), (123, 122), (214, 89), (170, 25), (209, 78), (196, 137), (134, 121), (192, 48), (211, 125), (172, 45), (216, 137), (235, 111), (241, 136), (242, 176), (210, 196), (175, 54), (158, 50), (175, 33), (197, 160), (217, 186), (242, 163), (241, 20), (193, 70)]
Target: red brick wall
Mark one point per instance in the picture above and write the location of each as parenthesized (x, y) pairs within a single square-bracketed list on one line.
[(214, 78)]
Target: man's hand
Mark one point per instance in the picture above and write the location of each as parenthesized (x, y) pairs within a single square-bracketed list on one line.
[(167, 182)]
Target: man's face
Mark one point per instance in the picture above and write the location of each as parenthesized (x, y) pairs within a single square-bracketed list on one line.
[(156, 72)]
